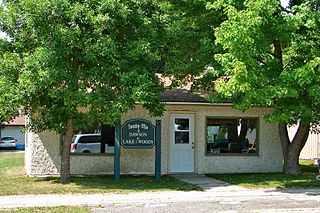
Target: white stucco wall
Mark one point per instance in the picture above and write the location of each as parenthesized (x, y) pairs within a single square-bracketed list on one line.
[(42, 153), (268, 159), (43, 150)]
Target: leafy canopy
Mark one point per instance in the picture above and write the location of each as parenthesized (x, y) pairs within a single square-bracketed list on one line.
[(190, 37), (85, 60), (8, 81), (253, 53), (272, 58)]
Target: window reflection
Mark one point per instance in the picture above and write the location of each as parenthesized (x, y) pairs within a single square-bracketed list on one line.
[(181, 134), (181, 124), (231, 135), (96, 139)]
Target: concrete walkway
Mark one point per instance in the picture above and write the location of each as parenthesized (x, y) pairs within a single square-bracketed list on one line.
[(208, 184)]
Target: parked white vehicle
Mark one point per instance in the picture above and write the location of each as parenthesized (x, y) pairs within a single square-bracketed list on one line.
[(88, 143), (8, 142)]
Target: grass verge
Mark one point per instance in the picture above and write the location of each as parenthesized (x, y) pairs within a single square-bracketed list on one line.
[(14, 181), (275, 180)]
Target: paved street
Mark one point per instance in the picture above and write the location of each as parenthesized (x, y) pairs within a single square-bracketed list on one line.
[(217, 197)]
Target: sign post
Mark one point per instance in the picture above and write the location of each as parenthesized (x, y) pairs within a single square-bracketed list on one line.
[(158, 151), (137, 134), (117, 151)]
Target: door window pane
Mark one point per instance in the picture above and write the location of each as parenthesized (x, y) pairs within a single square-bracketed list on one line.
[(181, 124), (181, 138)]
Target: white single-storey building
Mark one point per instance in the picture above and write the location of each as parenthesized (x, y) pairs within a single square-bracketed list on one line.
[(196, 137)]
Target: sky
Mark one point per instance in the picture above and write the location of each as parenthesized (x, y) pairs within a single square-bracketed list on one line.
[(283, 2)]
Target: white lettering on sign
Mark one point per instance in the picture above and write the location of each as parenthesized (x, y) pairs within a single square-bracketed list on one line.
[(135, 142), (138, 134), (143, 126), (134, 126), (128, 141), (137, 126), (145, 142)]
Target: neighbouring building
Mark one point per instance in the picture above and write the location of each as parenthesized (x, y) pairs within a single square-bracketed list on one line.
[(197, 137), (14, 128), (311, 149)]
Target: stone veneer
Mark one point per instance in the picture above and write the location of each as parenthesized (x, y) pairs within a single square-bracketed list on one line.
[(43, 149)]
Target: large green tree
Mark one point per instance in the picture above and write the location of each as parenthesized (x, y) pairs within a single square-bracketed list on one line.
[(268, 56), (9, 96), (272, 59), (83, 61), (8, 81)]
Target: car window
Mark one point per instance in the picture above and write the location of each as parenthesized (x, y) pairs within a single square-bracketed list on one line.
[(90, 139), (7, 138), (73, 139)]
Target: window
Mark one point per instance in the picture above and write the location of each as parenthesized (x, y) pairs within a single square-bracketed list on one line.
[(181, 133), (92, 141), (231, 135)]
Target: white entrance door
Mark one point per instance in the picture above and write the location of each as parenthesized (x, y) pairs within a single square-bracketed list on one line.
[(182, 144)]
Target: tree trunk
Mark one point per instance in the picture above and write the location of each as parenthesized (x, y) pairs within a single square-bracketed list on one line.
[(65, 153), (233, 133), (291, 149), (243, 130)]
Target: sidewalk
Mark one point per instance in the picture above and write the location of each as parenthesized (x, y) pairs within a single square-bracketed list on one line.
[(213, 189), (208, 184)]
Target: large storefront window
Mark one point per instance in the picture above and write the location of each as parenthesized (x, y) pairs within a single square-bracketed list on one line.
[(231, 135)]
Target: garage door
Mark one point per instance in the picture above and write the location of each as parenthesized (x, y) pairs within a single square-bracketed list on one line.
[(14, 131)]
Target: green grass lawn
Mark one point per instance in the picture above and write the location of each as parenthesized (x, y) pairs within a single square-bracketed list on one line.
[(15, 182), (275, 180)]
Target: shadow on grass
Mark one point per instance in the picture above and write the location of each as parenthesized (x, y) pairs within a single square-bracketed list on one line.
[(308, 166), (276, 180), (126, 184), (271, 180)]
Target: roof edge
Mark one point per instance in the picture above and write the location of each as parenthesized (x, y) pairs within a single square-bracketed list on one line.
[(197, 103)]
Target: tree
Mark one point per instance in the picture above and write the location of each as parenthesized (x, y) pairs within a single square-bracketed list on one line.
[(79, 62), (8, 82), (269, 56), (272, 59)]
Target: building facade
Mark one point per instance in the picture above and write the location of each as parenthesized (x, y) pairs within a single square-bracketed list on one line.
[(196, 137)]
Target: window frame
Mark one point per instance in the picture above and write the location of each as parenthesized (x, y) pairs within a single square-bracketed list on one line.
[(181, 130), (256, 153)]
